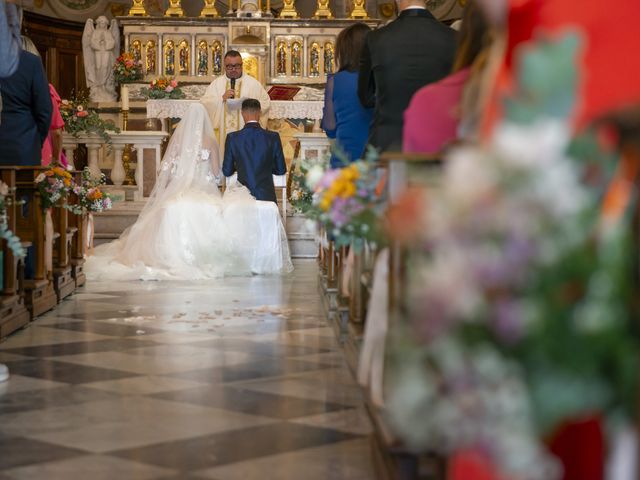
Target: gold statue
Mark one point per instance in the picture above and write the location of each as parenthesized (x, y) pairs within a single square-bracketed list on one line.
[(296, 59), (314, 60), (150, 57), (169, 58), (281, 56), (138, 9), (323, 10), (174, 10), (216, 57), (289, 9), (183, 55), (209, 9), (203, 58), (358, 10), (328, 58), (136, 50)]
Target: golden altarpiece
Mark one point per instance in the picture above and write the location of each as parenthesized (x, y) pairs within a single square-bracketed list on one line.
[(283, 50), (275, 50)]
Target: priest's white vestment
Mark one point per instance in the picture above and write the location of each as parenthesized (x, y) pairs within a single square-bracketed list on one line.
[(225, 116)]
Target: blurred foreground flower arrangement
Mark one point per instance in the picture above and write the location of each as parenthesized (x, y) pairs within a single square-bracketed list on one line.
[(518, 297)]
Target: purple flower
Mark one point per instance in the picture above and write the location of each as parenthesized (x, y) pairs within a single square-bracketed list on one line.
[(508, 321)]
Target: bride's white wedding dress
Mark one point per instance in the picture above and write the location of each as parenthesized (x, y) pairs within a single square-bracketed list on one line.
[(188, 230)]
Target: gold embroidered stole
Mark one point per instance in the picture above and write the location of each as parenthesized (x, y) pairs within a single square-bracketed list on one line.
[(231, 121)]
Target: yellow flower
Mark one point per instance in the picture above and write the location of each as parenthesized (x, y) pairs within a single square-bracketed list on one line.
[(349, 190)]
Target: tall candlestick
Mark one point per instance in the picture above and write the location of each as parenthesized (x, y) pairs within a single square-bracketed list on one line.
[(124, 97)]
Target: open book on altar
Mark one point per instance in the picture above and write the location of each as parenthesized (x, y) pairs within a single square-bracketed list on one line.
[(283, 92)]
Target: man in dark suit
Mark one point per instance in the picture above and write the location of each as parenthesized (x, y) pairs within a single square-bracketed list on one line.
[(398, 59), (255, 153), (26, 112)]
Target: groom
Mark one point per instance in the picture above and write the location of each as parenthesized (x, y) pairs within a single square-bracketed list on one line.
[(255, 153)]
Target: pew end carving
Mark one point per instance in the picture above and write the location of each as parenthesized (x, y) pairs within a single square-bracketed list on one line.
[(13, 311)]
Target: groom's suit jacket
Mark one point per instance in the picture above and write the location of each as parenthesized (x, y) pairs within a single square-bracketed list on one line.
[(256, 154)]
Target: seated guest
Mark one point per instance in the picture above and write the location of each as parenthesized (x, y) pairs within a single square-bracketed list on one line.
[(344, 118), (26, 113), (52, 147), (413, 50), (432, 119)]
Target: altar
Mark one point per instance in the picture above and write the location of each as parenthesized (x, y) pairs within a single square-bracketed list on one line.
[(279, 109)]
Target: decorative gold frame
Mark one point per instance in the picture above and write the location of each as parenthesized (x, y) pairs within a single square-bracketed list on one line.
[(289, 9), (175, 9), (209, 9), (323, 10), (137, 9), (359, 11)]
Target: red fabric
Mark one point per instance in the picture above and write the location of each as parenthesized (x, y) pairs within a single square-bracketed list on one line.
[(469, 465), (56, 123), (580, 446), (431, 120), (610, 68)]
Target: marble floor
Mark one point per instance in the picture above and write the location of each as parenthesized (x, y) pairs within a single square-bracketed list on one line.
[(238, 378)]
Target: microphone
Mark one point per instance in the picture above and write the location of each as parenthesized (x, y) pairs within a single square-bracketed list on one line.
[(233, 85)]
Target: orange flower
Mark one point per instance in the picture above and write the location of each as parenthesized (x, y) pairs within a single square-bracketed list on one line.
[(404, 217), (94, 194)]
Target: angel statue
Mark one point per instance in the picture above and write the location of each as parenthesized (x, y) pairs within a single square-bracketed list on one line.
[(100, 46)]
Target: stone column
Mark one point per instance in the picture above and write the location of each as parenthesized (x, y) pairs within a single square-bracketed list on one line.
[(70, 150), (117, 173), (139, 170), (94, 168)]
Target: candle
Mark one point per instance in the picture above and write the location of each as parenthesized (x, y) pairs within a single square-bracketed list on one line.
[(124, 97)]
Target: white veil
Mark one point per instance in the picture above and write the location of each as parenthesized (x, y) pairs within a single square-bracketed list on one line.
[(184, 168)]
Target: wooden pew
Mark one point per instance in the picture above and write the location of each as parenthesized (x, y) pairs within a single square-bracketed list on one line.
[(63, 282), (392, 459), (39, 292), (77, 226), (13, 312)]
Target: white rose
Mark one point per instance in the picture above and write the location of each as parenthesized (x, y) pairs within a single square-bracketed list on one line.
[(4, 189), (40, 178), (314, 175)]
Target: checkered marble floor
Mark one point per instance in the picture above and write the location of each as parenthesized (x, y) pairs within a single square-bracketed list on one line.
[(238, 378)]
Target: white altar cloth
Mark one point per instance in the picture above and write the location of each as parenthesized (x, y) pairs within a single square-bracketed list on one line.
[(311, 109)]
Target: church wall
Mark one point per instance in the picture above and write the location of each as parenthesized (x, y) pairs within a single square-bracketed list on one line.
[(81, 10), (60, 45)]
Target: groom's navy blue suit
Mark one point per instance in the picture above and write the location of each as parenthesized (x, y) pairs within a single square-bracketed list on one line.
[(256, 154)]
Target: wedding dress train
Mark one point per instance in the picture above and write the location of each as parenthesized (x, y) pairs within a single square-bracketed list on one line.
[(188, 230)]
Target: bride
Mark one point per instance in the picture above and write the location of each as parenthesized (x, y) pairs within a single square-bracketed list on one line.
[(188, 230)]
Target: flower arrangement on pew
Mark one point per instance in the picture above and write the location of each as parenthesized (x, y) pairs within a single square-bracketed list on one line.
[(54, 184), (127, 69), (79, 118), (300, 193), (91, 197), (349, 202), (12, 240), (163, 87), (519, 297)]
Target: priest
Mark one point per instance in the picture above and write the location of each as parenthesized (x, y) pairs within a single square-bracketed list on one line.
[(223, 98)]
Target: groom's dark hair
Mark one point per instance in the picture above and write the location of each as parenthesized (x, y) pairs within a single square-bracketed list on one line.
[(251, 105)]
